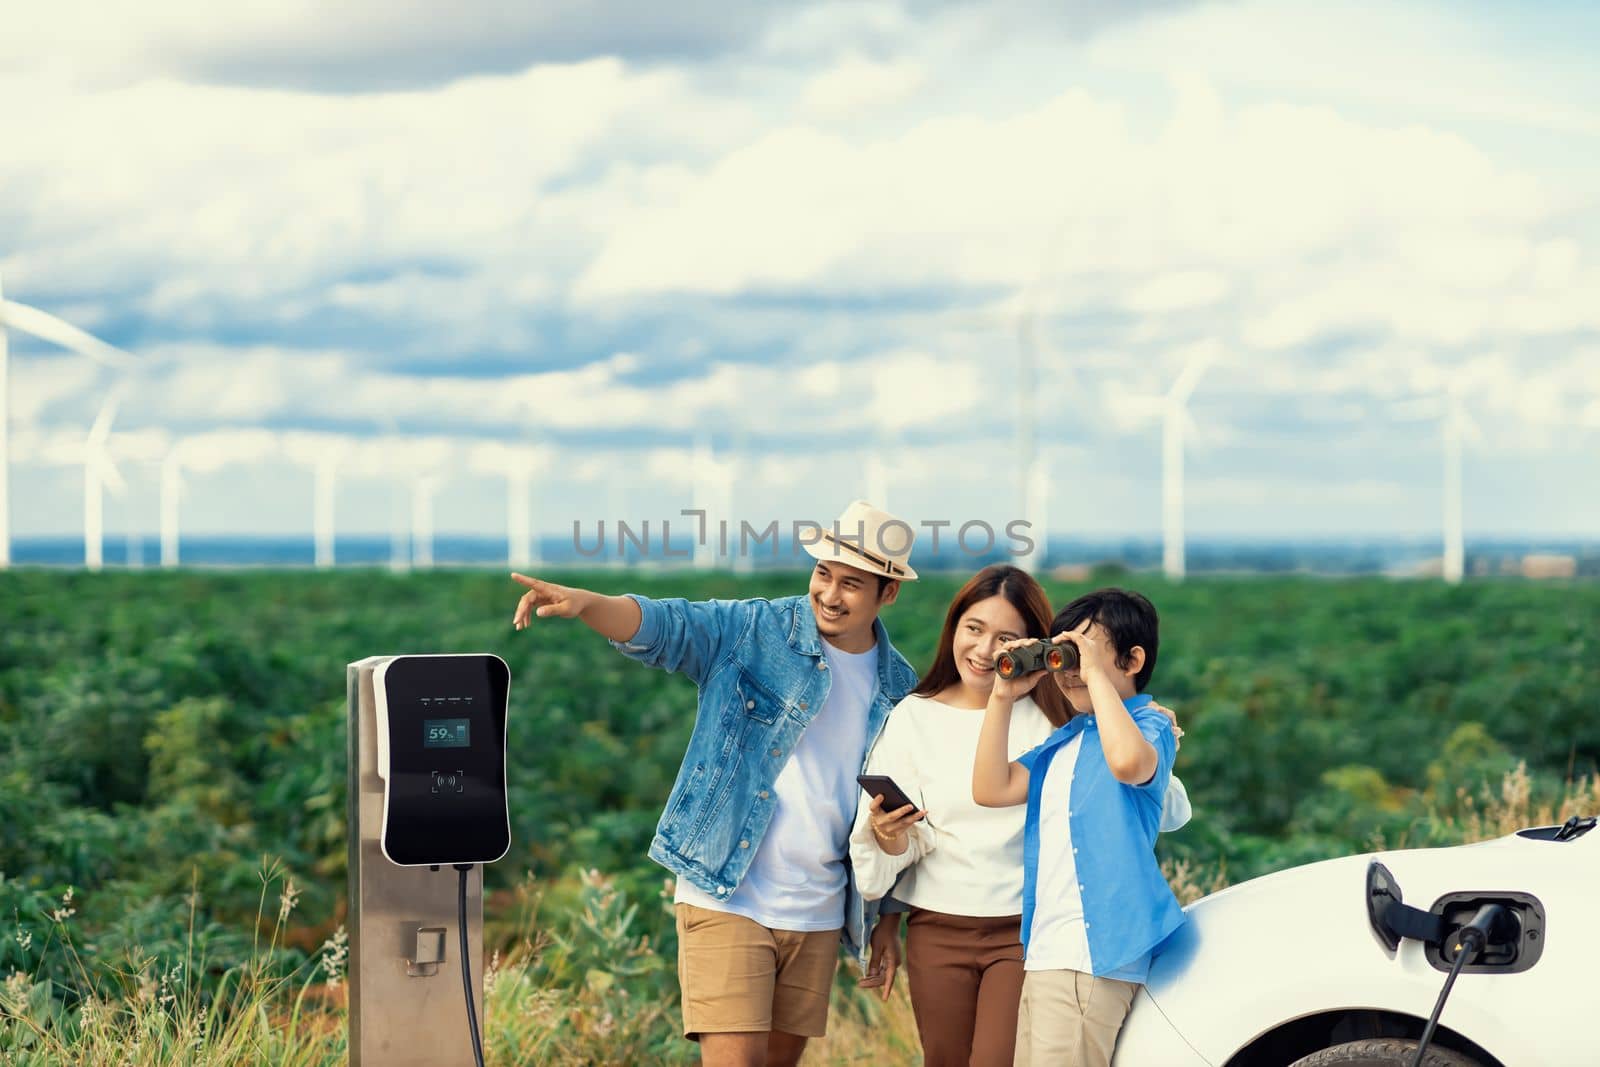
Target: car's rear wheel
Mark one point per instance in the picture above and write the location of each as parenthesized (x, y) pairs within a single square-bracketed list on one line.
[(1384, 1052)]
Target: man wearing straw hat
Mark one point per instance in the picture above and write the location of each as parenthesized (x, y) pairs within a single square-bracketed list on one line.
[(756, 829)]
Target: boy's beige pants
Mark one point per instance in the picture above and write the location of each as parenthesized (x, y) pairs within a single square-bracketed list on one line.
[(1070, 1019)]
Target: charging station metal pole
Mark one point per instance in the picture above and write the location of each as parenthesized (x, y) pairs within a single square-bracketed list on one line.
[(406, 1005)]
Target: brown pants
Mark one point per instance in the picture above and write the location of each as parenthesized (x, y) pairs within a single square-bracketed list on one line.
[(966, 979)]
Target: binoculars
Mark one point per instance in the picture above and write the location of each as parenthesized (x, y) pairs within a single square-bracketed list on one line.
[(1038, 656)]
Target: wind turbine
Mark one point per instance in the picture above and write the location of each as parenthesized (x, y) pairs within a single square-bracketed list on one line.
[(519, 466), (171, 491), (323, 454), (1174, 422), (422, 490), (713, 494), (98, 473), (324, 490), (424, 459), (1455, 427), (1172, 407), (204, 453), (46, 327)]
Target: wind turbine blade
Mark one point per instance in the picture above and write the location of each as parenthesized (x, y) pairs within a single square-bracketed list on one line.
[(47, 327), (1183, 387), (101, 429), (110, 477)]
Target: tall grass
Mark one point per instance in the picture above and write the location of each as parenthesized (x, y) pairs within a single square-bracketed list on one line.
[(147, 1011), (578, 980)]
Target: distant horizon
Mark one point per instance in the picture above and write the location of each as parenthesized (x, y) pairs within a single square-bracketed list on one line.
[(1153, 537), (1379, 555)]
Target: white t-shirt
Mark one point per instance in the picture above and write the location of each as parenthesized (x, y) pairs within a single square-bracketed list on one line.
[(965, 859), (797, 877), (1059, 941)]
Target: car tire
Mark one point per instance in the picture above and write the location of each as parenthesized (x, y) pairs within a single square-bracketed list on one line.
[(1384, 1052)]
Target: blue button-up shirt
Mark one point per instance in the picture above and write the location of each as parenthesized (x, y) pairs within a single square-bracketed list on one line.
[(762, 680), (1128, 908)]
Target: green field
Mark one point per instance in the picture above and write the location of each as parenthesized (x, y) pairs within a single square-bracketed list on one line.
[(174, 755)]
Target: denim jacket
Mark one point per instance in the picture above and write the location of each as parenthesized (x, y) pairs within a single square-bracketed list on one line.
[(762, 678)]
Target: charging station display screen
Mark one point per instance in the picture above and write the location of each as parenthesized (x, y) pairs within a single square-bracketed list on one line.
[(444, 722), (446, 733)]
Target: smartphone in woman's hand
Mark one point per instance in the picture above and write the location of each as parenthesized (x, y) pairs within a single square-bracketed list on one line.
[(894, 798)]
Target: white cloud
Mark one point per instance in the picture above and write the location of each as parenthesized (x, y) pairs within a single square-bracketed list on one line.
[(251, 194), (1178, 291), (825, 238), (857, 87), (358, 44), (212, 451)]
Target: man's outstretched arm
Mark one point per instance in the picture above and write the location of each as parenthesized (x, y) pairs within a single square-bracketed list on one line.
[(688, 637), (613, 617)]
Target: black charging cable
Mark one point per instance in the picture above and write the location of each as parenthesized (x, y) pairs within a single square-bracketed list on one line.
[(1470, 940), (466, 962)]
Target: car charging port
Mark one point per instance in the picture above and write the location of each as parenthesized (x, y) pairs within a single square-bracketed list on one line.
[(1512, 945), (1463, 933)]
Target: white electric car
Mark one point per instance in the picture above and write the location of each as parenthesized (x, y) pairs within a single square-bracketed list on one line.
[(1324, 965)]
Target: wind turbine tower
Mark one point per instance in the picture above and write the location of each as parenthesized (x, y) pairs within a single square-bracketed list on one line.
[(171, 492), (99, 473), (47, 327), (518, 466), (713, 494), (1174, 424), (422, 490), (1457, 427), (324, 488)]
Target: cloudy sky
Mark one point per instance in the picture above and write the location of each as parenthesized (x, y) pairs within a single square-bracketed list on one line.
[(812, 241)]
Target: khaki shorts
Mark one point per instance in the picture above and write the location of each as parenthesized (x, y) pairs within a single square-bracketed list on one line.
[(1070, 1017), (737, 976)]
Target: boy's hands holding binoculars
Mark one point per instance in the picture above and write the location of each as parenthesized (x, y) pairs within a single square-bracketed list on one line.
[(1021, 685), (1094, 655)]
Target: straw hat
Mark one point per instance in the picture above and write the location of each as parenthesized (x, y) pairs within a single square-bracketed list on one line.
[(868, 539)]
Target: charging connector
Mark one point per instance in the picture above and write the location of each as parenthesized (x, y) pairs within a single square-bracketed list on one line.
[(466, 962), (1467, 943)]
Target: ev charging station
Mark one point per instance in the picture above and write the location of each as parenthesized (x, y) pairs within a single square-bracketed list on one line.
[(427, 807)]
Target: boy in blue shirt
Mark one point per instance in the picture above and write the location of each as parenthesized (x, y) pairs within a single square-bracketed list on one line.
[(1094, 902)]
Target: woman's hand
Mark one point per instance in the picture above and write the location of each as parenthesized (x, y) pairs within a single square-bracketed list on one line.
[(1020, 686), (1177, 731), (893, 829)]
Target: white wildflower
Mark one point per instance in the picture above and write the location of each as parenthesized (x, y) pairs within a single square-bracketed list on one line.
[(491, 973), (289, 898), (335, 953)]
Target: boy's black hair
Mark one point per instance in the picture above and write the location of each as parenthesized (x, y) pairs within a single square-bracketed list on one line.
[(1128, 617)]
